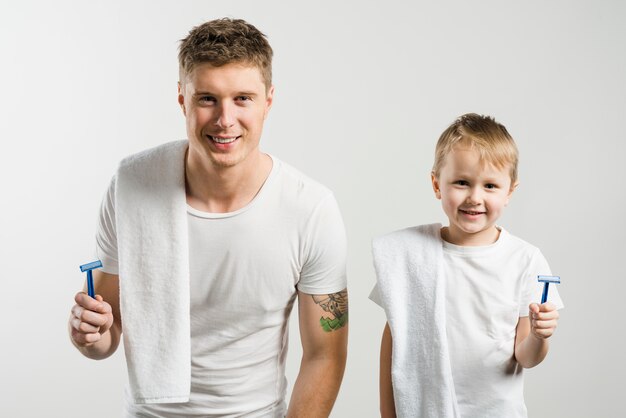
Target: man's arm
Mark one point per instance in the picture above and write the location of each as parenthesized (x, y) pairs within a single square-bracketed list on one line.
[(324, 337), (95, 324), (387, 404), (531, 341)]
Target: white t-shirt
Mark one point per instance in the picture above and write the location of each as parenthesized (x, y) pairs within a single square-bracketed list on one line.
[(246, 267), (487, 289)]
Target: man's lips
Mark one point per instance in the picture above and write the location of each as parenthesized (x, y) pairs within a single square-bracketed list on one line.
[(223, 139)]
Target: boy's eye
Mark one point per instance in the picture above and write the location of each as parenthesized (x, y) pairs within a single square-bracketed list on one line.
[(491, 186), (462, 182)]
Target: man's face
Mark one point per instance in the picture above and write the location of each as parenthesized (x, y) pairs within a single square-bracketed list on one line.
[(473, 195), (224, 108)]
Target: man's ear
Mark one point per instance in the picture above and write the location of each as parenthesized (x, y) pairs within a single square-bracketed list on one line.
[(435, 182), (181, 98), (269, 99)]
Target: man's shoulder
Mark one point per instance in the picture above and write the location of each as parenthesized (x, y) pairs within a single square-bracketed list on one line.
[(296, 184), (167, 151)]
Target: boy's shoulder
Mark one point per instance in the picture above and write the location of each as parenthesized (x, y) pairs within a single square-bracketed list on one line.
[(515, 244), (429, 232)]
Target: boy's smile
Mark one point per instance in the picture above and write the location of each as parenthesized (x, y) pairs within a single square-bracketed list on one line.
[(473, 194)]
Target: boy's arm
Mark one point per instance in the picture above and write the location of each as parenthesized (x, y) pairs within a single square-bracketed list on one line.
[(387, 405), (531, 341), (324, 351)]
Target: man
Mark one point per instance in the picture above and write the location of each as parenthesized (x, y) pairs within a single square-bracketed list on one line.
[(205, 245)]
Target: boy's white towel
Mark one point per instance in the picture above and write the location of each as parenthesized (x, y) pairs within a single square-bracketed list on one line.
[(151, 222), (411, 287)]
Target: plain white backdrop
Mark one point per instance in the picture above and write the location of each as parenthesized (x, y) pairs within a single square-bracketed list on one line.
[(363, 90)]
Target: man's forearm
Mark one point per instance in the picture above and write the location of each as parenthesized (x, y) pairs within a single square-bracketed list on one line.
[(316, 387)]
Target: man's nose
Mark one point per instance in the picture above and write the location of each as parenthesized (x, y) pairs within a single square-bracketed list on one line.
[(225, 116)]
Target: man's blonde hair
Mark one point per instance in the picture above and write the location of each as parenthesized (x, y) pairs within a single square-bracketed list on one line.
[(485, 135), (225, 41)]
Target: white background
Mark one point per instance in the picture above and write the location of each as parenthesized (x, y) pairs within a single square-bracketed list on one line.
[(363, 90)]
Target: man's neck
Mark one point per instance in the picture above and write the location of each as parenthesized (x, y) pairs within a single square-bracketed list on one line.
[(218, 189)]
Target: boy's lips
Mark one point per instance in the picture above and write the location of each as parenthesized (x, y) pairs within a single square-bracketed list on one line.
[(472, 212)]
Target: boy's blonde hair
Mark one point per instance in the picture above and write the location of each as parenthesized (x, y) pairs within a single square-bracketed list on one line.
[(484, 134), (225, 41)]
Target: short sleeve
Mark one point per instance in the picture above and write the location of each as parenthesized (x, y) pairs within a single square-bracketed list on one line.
[(533, 289), (324, 251), (106, 234)]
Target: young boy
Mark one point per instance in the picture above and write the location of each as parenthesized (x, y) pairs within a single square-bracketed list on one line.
[(462, 301)]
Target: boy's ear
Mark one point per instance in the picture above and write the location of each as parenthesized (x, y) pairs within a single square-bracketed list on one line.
[(435, 183), (511, 190)]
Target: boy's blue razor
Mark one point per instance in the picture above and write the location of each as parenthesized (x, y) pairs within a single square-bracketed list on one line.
[(546, 280), (88, 267)]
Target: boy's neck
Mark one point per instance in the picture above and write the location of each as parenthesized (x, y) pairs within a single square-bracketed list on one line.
[(464, 239)]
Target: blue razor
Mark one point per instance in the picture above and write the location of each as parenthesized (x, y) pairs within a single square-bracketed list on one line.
[(88, 267), (546, 280)]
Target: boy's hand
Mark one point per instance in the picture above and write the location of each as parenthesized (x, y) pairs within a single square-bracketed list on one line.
[(543, 319)]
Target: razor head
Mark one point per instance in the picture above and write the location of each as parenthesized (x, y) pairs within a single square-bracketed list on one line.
[(90, 266), (549, 279)]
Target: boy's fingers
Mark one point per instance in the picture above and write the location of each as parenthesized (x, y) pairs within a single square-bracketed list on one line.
[(547, 307), (550, 324), (533, 308)]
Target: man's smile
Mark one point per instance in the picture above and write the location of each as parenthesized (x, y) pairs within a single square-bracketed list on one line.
[(223, 139)]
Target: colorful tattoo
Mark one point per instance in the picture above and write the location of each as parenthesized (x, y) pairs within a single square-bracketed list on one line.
[(335, 304)]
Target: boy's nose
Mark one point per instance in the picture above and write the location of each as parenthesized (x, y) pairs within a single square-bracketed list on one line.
[(474, 197)]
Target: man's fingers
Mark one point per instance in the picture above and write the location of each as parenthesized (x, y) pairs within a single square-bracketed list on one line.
[(85, 339), (95, 305)]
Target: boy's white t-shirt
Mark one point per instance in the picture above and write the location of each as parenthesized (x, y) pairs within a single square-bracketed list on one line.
[(246, 267), (487, 289)]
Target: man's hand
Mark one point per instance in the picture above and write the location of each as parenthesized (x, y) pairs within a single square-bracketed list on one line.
[(543, 319), (95, 325), (90, 319)]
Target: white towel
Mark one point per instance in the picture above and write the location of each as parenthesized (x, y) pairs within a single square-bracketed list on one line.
[(151, 222), (411, 286)]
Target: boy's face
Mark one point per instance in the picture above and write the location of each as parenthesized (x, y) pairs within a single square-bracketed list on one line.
[(473, 195), (225, 108)]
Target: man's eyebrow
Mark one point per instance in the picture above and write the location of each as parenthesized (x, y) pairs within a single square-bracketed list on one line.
[(240, 93), (203, 93), (247, 93)]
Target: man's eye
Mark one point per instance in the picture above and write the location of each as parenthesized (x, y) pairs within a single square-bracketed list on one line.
[(243, 98), (207, 99)]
